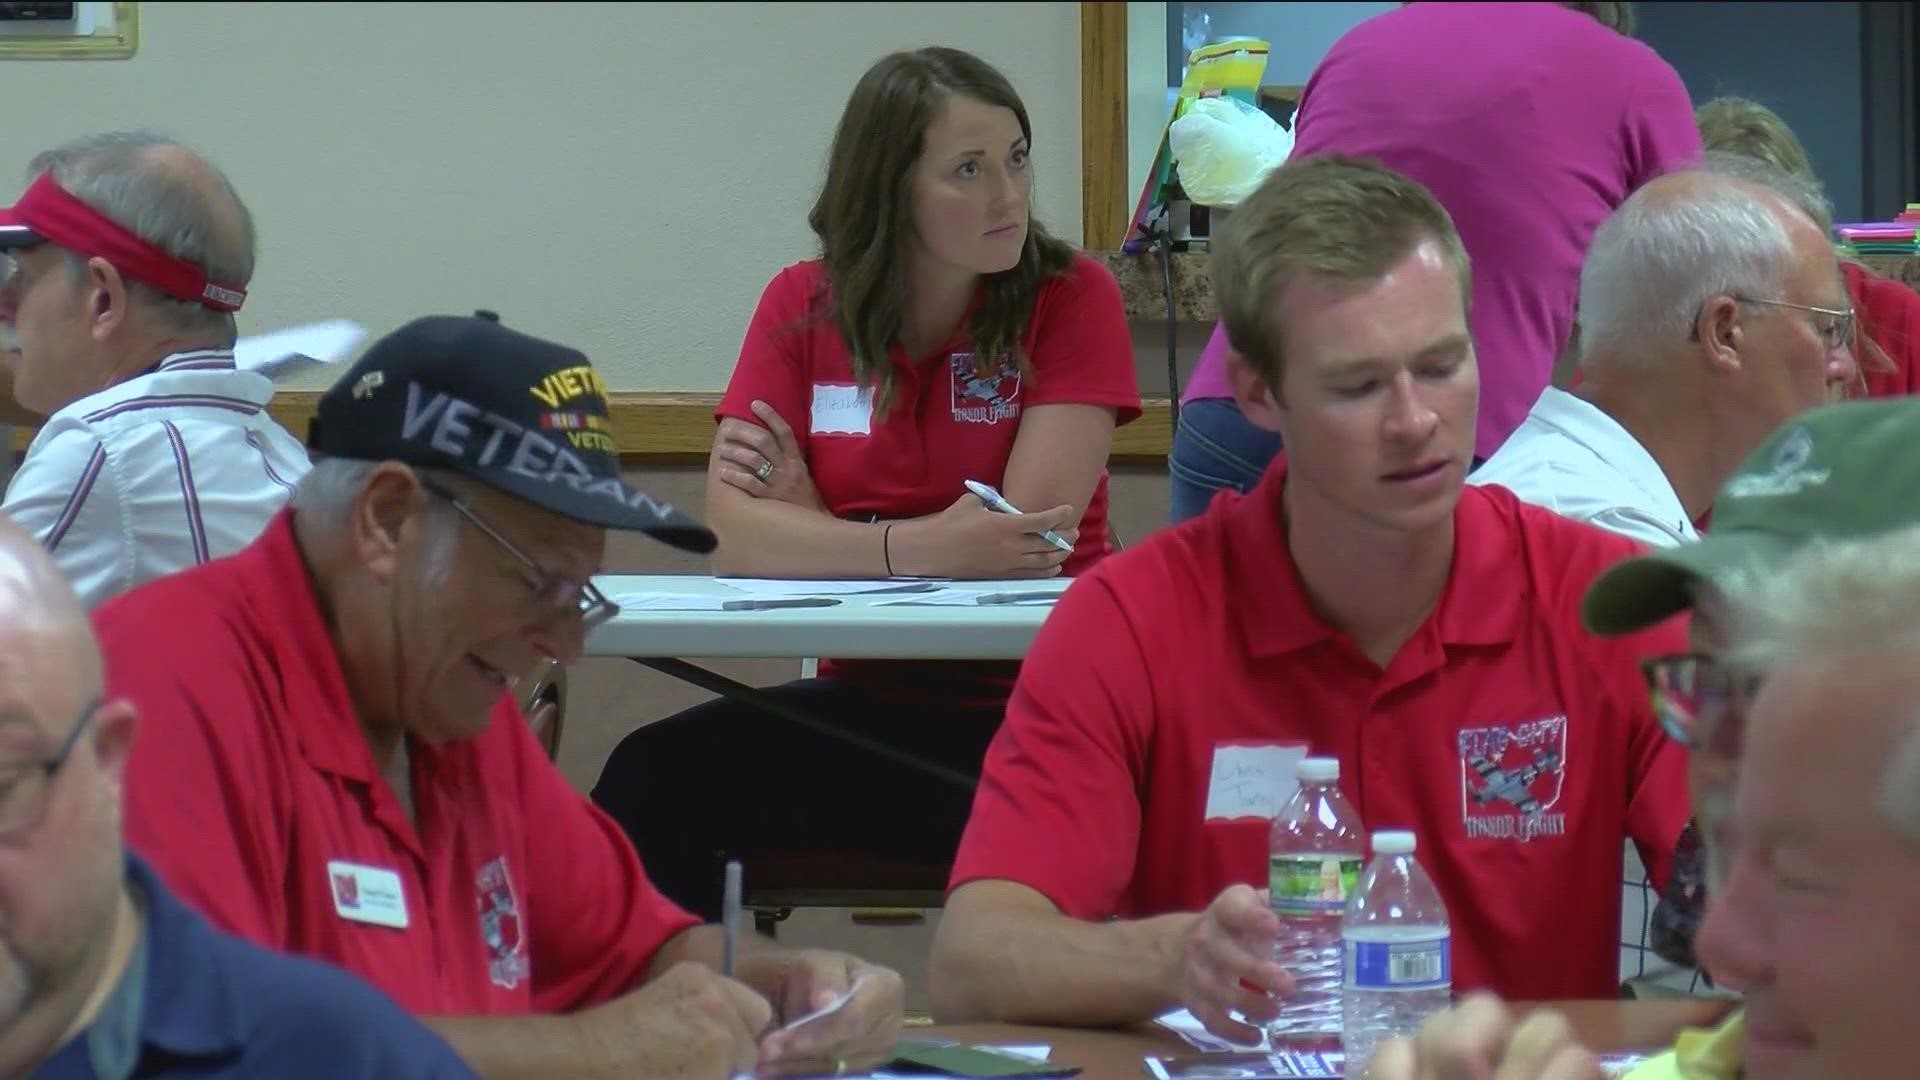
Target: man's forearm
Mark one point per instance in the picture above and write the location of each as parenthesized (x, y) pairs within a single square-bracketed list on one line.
[(522, 1047), (1042, 967)]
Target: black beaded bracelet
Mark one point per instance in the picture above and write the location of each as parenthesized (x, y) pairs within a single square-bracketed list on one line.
[(886, 547)]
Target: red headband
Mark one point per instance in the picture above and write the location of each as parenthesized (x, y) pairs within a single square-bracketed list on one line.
[(59, 218)]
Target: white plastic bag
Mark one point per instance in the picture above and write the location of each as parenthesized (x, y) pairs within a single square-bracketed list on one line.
[(1224, 147)]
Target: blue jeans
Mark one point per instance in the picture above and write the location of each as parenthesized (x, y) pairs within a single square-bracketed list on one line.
[(1215, 449)]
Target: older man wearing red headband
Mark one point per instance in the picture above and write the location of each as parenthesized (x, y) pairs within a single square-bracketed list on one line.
[(121, 266)]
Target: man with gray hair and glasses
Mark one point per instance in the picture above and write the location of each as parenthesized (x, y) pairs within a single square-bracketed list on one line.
[(337, 767), (1800, 705), (121, 266), (104, 974), (1712, 310)]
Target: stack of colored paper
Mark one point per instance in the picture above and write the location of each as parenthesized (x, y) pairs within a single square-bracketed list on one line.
[(1896, 237)]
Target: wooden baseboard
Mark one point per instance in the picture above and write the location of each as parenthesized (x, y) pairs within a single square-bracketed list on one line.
[(654, 429)]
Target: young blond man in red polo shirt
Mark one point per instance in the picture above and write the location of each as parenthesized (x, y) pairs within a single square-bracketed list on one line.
[(1358, 604)]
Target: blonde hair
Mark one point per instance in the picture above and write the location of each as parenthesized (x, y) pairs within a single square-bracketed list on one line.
[(1740, 126), (1612, 14), (1327, 217)]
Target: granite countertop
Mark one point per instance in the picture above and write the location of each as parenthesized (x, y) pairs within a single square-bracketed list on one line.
[(1143, 289)]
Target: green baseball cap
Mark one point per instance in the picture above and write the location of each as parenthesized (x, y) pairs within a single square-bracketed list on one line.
[(1840, 471)]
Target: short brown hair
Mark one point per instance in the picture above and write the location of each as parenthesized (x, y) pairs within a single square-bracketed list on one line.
[(864, 215), (1740, 126), (1330, 217)]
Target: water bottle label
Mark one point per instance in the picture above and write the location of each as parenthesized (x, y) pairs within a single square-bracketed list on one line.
[(1419, 964), (1311, 884)]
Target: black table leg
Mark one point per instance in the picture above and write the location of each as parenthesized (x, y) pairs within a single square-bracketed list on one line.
[(736, 690)]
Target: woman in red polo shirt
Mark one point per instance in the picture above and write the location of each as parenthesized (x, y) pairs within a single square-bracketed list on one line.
[(941, 336)]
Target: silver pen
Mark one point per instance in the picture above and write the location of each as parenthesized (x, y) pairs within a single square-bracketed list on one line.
[(998, 502)]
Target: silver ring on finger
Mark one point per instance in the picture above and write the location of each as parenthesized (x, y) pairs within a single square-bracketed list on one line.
[(765, 470)]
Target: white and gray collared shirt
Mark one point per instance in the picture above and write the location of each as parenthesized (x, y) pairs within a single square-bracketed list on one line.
[(1574, 459), (165, 471)]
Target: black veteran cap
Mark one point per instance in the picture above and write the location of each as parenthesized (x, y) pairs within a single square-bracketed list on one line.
[(521, 415)]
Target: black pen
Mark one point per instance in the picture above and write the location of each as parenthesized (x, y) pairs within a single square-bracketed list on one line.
[(782, 602), (1016, 598)]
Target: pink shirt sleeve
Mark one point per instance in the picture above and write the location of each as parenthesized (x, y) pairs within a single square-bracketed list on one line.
[(1209, 378)]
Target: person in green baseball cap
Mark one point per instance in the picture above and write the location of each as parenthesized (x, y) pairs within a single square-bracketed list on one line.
[(1838, 471), (1848, 472)]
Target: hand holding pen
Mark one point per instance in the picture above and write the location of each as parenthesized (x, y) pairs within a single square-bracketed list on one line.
[(971, 540), (998, 503)]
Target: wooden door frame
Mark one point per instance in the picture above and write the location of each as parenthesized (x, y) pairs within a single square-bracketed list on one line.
[(1103, 124)]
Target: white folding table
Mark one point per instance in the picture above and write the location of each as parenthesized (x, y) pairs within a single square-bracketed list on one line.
[(899, 624)]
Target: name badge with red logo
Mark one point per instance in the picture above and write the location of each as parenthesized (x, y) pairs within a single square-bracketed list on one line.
[(368, 894)]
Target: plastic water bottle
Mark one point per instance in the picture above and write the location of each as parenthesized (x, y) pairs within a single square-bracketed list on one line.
[(1314, 856), (1399, 955)]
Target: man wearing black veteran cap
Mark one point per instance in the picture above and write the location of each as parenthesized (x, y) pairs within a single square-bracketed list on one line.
[(335, 767), (1838, 475), (121, 266)]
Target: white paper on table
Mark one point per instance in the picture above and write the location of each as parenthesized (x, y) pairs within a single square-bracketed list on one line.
[(1040, 1052), (1188, 1027), (281, 351), (1282, 1062), (784, 587), (1252, 780)]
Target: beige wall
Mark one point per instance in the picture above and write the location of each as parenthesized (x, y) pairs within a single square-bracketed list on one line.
[(621, 177)]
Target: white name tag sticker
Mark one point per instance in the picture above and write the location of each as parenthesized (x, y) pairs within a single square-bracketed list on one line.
[(840, 409), (368, 894), (1252, 780)]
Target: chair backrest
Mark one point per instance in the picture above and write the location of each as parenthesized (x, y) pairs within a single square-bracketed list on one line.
[(543, 700)]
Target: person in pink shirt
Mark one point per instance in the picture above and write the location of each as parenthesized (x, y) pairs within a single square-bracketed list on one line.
[(1530, 122)]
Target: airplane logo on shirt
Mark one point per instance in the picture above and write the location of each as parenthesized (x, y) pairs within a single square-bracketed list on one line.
[(1511, 776), (1510, 787), (983, 399)]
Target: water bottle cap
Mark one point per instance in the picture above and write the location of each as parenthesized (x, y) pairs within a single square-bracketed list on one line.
[(1393, 842), (1319, 770)]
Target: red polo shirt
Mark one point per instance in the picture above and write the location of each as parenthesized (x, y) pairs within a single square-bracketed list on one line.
[(253, 793), (1889, 313), (1127, 780), (947, 424)]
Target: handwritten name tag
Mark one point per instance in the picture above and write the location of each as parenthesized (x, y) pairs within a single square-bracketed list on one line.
[(1252, 780), (842, 410)]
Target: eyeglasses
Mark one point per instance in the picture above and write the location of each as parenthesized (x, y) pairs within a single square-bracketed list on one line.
[(24, 787), (552, 592), (1701, 700), (1835, 325), (12, 271)]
